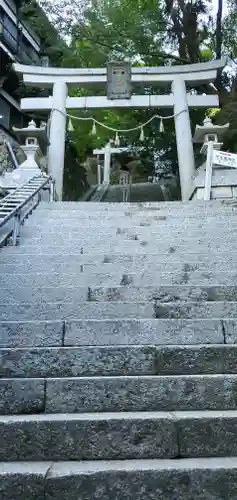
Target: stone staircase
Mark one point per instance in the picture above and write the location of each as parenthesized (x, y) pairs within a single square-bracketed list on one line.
[(118, 328)]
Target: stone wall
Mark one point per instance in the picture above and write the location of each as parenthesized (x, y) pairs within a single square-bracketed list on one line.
[(5, 159)]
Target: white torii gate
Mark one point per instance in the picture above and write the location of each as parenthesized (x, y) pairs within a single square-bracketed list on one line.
[(106, 152), (62, 78)]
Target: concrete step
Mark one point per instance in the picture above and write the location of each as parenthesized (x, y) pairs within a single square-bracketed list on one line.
[(117, 332), (116, 394), (171, 479), (108, 310), (81, 294), (117, 360), (118, 436)]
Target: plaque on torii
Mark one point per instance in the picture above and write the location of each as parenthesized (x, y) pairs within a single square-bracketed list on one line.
[(119, 80)]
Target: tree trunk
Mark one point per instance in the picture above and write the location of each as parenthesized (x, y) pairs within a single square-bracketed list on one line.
[(219, 41), (218, 29)]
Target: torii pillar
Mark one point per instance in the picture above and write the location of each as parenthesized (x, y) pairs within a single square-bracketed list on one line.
[(56, 151)]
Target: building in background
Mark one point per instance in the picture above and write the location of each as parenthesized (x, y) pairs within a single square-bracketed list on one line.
[(19, 42)]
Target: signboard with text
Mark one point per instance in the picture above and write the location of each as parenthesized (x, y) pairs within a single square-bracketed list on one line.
[(119, 80), (224, 159)]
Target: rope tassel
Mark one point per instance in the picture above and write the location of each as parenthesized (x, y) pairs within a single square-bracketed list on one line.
[(162, 128), (70, 127), (94, 132), (142, 135), (117, 140)]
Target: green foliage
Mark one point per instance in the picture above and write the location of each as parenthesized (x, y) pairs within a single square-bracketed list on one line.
[(52, 44)]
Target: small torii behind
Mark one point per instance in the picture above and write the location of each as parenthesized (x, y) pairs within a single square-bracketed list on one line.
[(107, 152)]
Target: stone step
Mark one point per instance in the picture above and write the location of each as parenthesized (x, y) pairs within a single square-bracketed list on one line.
[(140, 221), (116, 394), (118, 436), (26, 396), (126, 226), (170, 278), (158, 238), (82, 294), (155, 223), (24, 259), (169, 245), (175, 252), (171, 479), (179, 252), (215, 309), (39, 310), (86, 361), (75, 266), (140, 393), (22, 311), (129, 219), (95, 206), (89, 437), (117, 332), (173, 293), (133, 208)]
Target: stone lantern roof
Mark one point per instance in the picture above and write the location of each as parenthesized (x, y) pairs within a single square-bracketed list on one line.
[(208, 128)]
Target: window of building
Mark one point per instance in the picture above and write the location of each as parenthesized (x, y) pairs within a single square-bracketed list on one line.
[(8, 31), (4, 113), (28, 53)]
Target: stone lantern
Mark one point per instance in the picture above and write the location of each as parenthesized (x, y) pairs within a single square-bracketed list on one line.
[(213, 178), (30, 136), (208, 132)]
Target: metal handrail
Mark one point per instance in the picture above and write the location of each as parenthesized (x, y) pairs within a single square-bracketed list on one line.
[(23, 203), (34, 186), (100, 192), (11, 153)]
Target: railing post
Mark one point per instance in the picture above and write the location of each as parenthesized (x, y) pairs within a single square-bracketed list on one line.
[(16, 228), (39, 197), (208, 178), (51, 191)]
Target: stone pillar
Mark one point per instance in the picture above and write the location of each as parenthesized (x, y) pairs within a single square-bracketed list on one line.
[(98, 171), (57, 137), (208, 177), (183, 138), (107, 160)]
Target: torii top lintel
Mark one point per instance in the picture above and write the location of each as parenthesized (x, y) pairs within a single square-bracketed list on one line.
[(194, 73)]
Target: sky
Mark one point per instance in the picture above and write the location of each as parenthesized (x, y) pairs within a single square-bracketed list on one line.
[(215, 6)]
